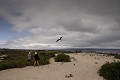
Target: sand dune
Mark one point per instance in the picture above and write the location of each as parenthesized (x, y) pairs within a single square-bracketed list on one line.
[(84, 66)]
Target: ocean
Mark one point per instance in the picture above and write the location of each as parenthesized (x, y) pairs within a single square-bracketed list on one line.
[(96, 50)]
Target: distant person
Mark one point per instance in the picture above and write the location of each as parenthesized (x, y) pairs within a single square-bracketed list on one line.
[(29, 57), (36, 59)]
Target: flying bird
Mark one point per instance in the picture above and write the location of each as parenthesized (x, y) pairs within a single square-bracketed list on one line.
[(59, 39)]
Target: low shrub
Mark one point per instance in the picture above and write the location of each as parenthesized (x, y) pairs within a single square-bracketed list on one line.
[(4, 65), (110, 71), (49, 54), (44, 60), (62, 58), (117, 56), (12, 64), (18, 58)]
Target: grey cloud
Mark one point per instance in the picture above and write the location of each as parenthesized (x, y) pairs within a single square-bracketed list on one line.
[(83, 23), (104, 39), (116, 26), (79, 26), (100, 7)]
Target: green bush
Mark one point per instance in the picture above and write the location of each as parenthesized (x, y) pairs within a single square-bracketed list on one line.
[(49, 54), (110, 71), (46, 55), (44, 60), (117, 56), (62, 58), (4, 65), (18, 58), (12, 64)]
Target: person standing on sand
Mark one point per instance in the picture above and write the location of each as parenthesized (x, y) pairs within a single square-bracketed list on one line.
[(29, 57), (36, 59)]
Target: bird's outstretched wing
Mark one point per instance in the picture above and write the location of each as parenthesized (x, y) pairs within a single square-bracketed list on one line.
[(59, 39)]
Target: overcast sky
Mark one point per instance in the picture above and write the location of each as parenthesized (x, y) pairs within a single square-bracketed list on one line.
[(37, 24)]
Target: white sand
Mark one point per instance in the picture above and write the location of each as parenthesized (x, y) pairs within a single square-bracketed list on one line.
[(85, 68)]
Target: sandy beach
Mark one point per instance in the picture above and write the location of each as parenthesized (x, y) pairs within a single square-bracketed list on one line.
[(84, 66)]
